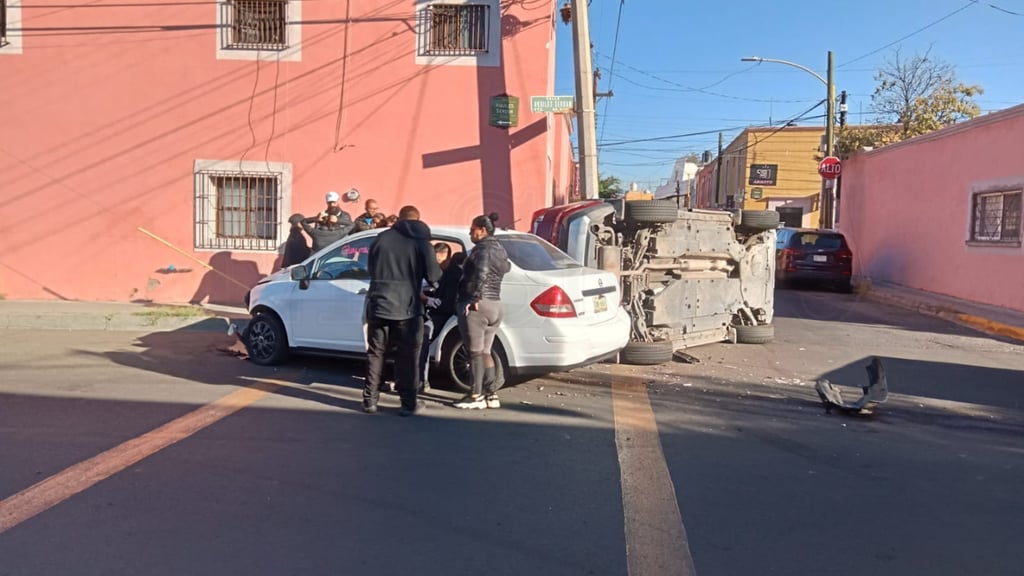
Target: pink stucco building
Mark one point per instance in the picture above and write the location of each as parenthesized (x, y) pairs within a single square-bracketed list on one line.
[(942, 212), (141, 141)]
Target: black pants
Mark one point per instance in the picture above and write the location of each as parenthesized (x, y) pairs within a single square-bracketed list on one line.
[(407, 336)]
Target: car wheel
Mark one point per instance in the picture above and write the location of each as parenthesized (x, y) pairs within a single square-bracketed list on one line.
[(759, 219), (456, 362), (652, 211), (761, 334), (647, 353), (265, 340)]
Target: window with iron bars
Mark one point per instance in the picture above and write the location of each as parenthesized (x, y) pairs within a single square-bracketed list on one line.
[(256, 24), (454, 29), (996, 217), (238, 210), (3, 22)]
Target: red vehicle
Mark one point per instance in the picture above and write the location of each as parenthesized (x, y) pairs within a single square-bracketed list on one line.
[(813, 256)]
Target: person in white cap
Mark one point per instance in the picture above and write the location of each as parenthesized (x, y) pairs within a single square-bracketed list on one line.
[(332, 199)]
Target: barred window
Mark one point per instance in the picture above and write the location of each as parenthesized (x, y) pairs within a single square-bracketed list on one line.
[(257, 24), (996, 217), (238, 210), (454, 29)]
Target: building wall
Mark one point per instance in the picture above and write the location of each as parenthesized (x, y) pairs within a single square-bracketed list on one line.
[(906, 209), (108, 107), (794, 151)]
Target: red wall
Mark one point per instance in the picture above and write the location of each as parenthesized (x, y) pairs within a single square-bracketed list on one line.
[(109, 105)]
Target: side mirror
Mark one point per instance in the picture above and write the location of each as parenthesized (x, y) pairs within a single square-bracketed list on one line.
[(299, 273)]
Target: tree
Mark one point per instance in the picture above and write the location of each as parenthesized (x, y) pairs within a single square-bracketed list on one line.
[(914, 96), (609, 187)]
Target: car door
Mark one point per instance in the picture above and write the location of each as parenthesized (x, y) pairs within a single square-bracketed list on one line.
[(329, 310)]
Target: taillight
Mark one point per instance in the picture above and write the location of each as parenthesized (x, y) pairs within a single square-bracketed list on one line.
[(790, 252), (844, 254), (553, 303)]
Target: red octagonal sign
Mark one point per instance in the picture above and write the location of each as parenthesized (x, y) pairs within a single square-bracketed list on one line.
[(830, 167)]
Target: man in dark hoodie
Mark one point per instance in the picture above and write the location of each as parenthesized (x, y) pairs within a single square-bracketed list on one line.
[(296, 249), (400, 260)]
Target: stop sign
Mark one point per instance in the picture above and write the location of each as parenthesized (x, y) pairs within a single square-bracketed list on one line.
[(830, 167)]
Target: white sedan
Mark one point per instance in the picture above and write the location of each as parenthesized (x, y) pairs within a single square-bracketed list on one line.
[(559, 315)]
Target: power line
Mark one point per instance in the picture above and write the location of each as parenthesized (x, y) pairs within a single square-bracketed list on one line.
[(611, 71), (915, 32)]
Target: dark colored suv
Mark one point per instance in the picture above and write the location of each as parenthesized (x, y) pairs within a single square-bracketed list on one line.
[(818, 256)]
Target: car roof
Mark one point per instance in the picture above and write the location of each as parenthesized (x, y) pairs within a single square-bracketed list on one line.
[(812, 231)]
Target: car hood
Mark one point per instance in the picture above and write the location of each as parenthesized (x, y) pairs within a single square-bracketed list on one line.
[(280, 275)]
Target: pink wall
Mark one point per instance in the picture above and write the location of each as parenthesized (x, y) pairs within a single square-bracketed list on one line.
[(109, 105), (906, 209)]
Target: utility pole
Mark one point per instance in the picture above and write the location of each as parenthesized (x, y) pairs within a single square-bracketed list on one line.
[(829, 196), (586, 103), (718, 169)]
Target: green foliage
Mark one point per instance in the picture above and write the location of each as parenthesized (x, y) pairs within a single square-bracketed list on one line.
[(609, 187)]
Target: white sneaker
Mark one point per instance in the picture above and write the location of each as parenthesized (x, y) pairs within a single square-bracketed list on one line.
[(493, 402), (470, 402)]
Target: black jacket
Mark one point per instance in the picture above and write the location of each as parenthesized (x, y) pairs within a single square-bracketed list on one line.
[(323, 236), (399, 261), (295, 248), (448, 291), (481, 276)]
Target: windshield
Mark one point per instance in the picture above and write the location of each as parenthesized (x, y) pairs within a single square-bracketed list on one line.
[(533, 254), (817, 241)]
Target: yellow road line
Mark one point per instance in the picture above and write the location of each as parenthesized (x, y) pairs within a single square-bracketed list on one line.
[(48, 493), (656, 543)]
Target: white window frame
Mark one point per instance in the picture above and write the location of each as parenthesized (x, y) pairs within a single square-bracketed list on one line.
[(14, 33), (293, 53), (1000, 188), (204, 234), (490, 58)]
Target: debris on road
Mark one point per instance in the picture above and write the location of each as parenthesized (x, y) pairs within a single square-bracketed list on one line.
[(875, 393), (680, 356)]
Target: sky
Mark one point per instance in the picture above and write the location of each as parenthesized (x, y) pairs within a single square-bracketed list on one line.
[(676, 68)]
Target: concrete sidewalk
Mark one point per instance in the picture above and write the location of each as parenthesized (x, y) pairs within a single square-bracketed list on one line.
[(989, 319), (122, 316)]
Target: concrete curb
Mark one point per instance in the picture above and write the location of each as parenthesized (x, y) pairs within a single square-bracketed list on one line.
[(109, 317), (950, 313)]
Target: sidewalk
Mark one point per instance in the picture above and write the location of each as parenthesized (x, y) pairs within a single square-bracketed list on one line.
[(989, 319), (119, 316)]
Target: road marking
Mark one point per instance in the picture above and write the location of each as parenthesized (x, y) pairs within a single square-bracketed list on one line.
[(656, 543), (48, 493)]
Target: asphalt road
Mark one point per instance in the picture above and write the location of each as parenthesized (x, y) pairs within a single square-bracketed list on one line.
[(163, 454)]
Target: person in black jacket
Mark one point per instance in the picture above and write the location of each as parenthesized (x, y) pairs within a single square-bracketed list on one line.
[(330, 226), (296, 248), (400, 259), (440, 307), (479, 310)]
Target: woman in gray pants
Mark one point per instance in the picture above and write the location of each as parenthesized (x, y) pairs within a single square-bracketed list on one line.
[(478, 310)]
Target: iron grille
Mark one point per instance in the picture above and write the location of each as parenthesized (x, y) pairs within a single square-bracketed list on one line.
[(3, 22), (454, 30), (996, 217), (257, 24), (238, 210)]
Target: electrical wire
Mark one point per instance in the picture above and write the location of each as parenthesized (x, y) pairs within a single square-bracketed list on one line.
[(1004, 10), (914, 33), (611, 71)]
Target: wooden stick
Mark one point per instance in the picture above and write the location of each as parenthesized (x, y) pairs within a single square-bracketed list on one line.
[(191, 257)]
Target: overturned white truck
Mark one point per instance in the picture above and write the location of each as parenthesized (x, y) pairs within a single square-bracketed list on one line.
[(688, 277)]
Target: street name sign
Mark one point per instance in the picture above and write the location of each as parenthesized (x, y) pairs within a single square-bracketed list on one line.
[(551, 103)]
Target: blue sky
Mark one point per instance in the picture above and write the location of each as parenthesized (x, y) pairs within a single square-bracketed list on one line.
[(666, 48)]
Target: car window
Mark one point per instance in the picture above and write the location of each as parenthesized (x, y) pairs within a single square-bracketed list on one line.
[(534, 254), (345, 261), (817, 241)]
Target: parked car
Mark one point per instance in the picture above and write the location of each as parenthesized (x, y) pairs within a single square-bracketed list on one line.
[(813, 256), (559, 314), (688, 277)]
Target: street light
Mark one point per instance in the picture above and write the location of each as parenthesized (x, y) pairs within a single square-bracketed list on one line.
[(825, 219)]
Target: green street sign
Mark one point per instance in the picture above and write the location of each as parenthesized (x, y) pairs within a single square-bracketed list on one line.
[(505, 111), (756, 194), (551, 103)]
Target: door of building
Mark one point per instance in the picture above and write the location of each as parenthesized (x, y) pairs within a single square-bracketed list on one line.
[(791, 216)]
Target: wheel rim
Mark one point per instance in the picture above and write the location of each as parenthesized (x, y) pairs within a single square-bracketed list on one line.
[(262, 340), (461, 369)]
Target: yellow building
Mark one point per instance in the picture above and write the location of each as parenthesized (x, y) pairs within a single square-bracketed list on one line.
[(774, 169)]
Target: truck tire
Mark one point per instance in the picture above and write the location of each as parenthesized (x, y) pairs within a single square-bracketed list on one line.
[(652, 211), (759, 219), (761, 334), (647, 353)]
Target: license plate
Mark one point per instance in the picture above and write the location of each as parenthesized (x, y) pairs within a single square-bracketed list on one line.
[(600, 304), (819, 258)]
